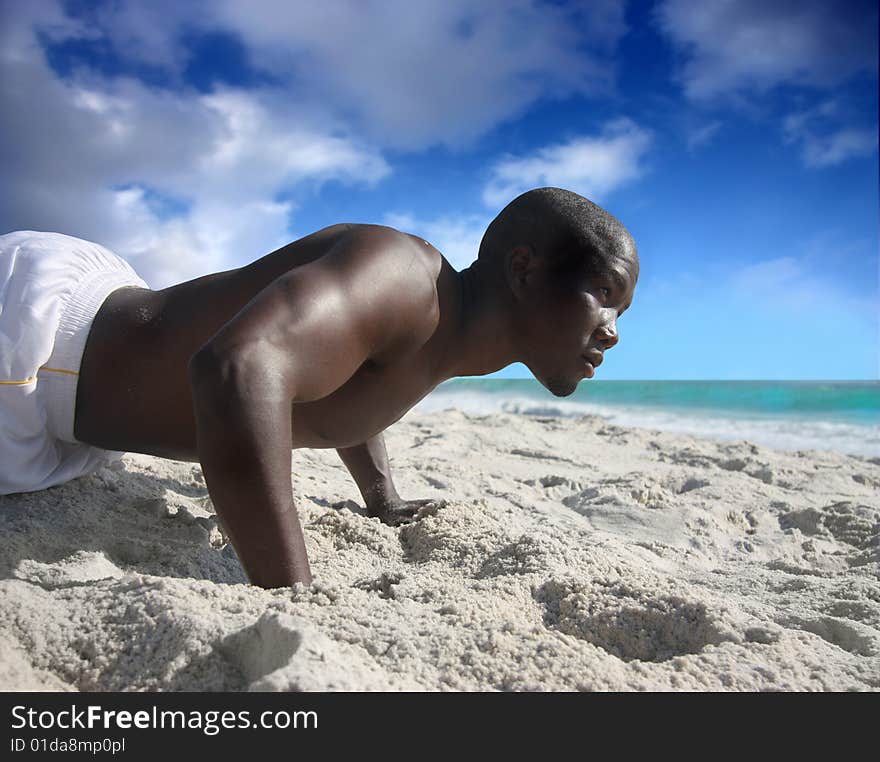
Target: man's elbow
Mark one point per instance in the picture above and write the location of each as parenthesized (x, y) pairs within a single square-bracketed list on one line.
[(211, 371), (242, 377)]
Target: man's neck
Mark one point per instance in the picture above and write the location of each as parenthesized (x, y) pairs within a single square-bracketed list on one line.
[(482, 342)]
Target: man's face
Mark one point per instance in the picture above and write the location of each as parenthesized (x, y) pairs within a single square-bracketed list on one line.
[(569, 324)]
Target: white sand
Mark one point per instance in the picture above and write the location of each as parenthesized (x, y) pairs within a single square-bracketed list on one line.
[(571, 555)]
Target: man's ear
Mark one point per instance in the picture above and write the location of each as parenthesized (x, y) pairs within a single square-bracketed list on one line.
[(521, 264)]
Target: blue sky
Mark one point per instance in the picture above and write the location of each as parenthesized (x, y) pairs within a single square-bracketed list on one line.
[(736, 140)]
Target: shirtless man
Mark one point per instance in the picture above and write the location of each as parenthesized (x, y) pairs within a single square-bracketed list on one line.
[(329, 340)]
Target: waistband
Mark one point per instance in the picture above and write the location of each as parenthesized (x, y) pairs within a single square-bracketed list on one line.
[(58, 378)]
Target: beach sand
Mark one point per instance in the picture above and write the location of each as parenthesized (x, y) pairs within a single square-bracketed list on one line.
[(570, 555)]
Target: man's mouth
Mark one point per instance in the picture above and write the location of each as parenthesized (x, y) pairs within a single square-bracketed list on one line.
[(591, 361)]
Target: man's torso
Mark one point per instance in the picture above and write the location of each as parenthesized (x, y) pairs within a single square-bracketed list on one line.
[(134, 393)]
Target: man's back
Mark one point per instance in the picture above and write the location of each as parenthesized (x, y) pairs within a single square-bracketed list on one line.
[(134, 391)]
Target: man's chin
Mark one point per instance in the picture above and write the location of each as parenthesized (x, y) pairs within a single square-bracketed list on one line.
[(560, 387)]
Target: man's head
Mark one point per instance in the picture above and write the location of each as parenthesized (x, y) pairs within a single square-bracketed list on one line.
[(571, 269)]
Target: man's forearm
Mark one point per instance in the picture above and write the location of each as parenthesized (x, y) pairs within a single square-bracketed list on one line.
[(244, 444), (368, 465)]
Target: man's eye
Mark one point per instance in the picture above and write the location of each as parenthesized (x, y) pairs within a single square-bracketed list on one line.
[(607, 290)]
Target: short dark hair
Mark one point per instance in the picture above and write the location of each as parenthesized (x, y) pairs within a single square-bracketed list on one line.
[(576, 235)]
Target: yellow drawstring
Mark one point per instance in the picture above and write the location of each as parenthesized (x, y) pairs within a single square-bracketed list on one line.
[(34, 378)]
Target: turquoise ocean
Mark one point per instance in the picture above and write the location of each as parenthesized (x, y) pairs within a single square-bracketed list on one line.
[(843, 416)]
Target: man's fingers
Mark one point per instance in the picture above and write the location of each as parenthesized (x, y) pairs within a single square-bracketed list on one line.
[(409, 510), (435, 501)]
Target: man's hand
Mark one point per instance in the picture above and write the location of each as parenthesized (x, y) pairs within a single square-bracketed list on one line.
[(368, 465), (396, 511)]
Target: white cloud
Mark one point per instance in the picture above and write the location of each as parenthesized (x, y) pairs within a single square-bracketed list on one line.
[(90, 154), (84, 155), (734, 50), (795, 283), (148, 32), (703, 135), (823, 143), (17, 40), (590, 165), (755, 45), (828, 150), (409, 74), (768, 274), (417, 73), (457, 238), (216, 235)]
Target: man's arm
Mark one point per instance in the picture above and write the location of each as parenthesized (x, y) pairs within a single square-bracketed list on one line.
[(300, 339), (368, 465), (244, 435)]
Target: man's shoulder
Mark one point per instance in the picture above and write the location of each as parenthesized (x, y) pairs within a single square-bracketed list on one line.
[(401, 270), (406, 265), (394, 247)]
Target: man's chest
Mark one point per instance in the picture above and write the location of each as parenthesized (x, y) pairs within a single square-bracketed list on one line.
[(370, 401)]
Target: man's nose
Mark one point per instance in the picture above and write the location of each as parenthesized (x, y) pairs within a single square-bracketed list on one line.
[(607, 333)]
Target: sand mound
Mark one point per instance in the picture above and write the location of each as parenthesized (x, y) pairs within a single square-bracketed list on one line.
[(569, 555)]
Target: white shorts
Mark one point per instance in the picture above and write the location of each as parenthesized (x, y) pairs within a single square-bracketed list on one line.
[(51, 287)]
